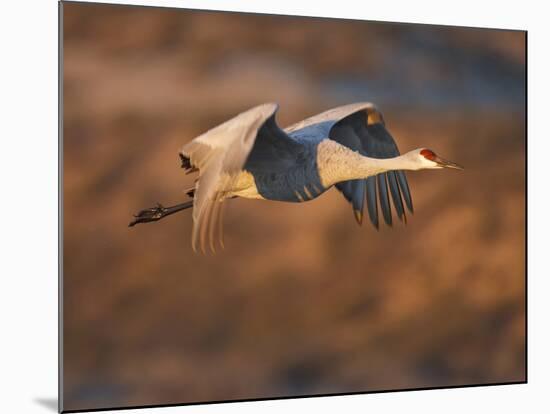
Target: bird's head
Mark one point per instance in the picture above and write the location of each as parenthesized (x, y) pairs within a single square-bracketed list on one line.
[(425, 158)]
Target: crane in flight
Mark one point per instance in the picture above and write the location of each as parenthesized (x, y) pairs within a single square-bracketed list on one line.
[(250, 156)]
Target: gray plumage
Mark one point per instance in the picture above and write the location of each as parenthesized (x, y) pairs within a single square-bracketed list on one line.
[(284, 163), (250, 156)]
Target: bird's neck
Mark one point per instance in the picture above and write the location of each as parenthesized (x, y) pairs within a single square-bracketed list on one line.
[(338, 163)]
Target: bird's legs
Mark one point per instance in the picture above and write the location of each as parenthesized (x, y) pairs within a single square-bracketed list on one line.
[(156, 213)]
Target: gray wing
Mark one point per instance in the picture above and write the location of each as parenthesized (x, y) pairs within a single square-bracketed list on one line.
[(220, 154), (273, 150), (364, 131)]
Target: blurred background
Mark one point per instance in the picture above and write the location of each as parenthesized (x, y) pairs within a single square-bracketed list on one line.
[(302, 301)]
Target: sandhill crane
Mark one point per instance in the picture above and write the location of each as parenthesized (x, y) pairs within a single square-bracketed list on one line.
[(249, 156)]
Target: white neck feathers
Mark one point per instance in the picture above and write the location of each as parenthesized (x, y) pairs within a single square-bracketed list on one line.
[(337, 163)]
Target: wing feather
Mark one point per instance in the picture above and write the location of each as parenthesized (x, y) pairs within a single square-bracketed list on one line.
[(404, 186), (371, 200), (384, 199), (219, 154), (362, 128), (358, 199), (396, 195)]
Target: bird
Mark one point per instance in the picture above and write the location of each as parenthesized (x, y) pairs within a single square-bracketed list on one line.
[(250, 156)]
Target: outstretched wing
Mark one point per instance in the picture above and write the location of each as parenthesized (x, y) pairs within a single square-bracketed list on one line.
[(220, 155), (364, 131)]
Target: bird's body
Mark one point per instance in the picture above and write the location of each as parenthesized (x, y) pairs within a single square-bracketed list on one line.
[(293, 180), (300, 162), (249, 156), (318, 166)]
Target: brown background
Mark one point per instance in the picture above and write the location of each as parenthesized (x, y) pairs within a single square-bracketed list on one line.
[(302, 301)]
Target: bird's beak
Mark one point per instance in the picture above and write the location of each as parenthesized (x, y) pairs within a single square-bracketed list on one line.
[(443, 163)]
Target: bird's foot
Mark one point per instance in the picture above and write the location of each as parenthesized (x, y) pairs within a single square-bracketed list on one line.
[(149, 214)]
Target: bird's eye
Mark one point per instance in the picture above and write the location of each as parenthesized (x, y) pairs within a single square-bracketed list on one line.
[(429, 154)]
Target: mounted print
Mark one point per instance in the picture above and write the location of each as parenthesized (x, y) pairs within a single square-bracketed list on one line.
[(262, 206)]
